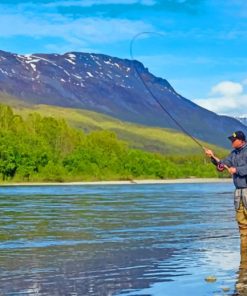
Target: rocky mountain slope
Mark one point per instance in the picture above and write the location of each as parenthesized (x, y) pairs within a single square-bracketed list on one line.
[(108, 85)]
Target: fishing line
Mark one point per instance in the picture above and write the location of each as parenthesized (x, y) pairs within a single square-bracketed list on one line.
[(152, 94)]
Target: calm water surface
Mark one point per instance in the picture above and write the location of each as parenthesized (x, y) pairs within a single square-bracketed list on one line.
[(119, 240)]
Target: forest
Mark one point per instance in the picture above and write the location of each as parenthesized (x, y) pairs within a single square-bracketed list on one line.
[(45, 149)]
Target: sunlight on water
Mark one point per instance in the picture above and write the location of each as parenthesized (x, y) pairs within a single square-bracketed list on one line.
[(119, 240)]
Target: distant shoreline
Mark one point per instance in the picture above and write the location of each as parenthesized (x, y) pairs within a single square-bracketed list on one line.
[(128, 182)]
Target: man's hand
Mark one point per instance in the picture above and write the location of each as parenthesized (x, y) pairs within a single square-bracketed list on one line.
[(232, 170), (209, 152)]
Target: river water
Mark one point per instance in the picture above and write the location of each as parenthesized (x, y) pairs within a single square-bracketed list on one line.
[(121, 240)]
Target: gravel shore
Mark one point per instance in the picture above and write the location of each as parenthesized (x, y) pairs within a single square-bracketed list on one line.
[(133, 182)]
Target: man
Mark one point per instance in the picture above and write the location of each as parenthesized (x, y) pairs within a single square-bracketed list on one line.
[(236, 164)]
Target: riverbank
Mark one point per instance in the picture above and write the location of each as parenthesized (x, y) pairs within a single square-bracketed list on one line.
[(127, 182)]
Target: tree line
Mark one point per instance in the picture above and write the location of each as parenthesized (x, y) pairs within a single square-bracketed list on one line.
[(47, 149)]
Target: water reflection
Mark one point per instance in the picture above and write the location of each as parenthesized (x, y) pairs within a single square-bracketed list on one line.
[(102, 274), (117, 240), (241, 283)]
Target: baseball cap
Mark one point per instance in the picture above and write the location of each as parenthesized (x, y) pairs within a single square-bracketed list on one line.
[(237, 135)]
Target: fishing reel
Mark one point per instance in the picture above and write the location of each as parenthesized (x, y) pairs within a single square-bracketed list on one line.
[(219, 165)]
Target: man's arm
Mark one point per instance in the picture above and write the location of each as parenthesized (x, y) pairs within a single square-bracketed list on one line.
[(242, 170), (226, 162), (215, 160)]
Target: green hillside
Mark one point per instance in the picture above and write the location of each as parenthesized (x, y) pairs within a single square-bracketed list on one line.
[(38, 144), (161, 140)]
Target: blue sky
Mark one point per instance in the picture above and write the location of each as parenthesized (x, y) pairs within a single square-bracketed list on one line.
[(202, 51)]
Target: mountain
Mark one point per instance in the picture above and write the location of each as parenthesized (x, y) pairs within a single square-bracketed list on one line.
[(242, 119), (111, 86)]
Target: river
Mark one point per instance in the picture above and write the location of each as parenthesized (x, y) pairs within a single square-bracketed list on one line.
[(120, 240)]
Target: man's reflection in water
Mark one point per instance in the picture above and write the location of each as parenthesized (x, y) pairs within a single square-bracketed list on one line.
[(241, 284)]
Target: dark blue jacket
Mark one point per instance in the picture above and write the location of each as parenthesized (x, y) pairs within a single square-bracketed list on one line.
[(238, 159)]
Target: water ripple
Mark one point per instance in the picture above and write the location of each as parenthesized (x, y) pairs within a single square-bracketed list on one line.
[(117, 240)]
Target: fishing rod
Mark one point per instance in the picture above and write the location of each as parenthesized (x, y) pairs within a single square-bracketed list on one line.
[(220, 167), (151, 92)]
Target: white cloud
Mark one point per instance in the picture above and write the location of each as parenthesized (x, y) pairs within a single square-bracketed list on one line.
[(227, 89), (88, 3), (227, 98), (75, 31), (79, 34)]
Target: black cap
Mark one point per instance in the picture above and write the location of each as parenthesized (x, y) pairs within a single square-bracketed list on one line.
[(237, 135)]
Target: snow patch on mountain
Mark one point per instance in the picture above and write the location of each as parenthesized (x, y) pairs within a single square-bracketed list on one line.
[(242, 119), (90, 74)]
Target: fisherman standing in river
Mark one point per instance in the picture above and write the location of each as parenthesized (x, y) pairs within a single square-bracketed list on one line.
[(236, 164)]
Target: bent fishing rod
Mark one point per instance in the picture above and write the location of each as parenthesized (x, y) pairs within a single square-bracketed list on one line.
[(219, 165)]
